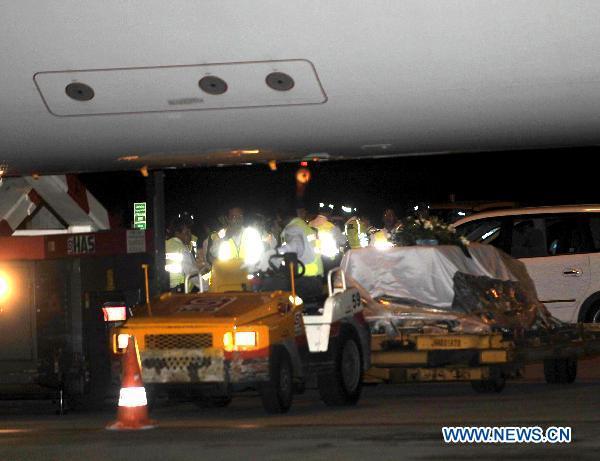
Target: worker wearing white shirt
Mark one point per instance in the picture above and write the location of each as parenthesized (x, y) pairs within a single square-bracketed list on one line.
[(179, 261)]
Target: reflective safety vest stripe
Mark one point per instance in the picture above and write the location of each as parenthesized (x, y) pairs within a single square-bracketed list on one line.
[(174, 254), (315, 267), (194, 245)]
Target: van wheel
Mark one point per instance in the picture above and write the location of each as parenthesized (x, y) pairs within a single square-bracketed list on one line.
[(342, 385), (277, 394), (560, 370), (593, 316)]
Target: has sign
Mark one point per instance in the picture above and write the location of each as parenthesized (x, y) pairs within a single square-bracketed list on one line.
[(81, 245)]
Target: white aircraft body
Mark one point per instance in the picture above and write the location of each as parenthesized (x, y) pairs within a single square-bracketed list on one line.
[(122, 84)]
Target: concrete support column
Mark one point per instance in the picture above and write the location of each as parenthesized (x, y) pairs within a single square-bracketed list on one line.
[(156, 197)]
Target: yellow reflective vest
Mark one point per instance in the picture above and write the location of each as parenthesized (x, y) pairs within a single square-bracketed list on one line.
[(313, 268), (353, 230), (249, 250), (175, 251)]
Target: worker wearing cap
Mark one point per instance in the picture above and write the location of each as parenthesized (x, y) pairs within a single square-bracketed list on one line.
[(179, 261), (330, 236)]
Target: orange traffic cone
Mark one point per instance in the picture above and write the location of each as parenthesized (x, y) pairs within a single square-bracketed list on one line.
[(133, 405)]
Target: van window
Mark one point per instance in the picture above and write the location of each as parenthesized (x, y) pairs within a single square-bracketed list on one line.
[(595, 231), (535, 236), (569, 234), (528, 238), (484, 231)]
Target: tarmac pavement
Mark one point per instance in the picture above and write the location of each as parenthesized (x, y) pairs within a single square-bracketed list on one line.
[(390, 422)]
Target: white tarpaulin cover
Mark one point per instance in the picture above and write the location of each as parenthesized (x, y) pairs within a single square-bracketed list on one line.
[(422, 273), (441, 287)]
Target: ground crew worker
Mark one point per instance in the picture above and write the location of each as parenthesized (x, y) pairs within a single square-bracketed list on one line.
[(300, 238), (383, 238), (226, 243), (330, 236), (179, 261), (357, 231), (390, 220), (237, 242)]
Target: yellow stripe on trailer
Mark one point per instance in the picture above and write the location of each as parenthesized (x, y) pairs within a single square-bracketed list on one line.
[(456, 342), (396, 358), (494, 356)]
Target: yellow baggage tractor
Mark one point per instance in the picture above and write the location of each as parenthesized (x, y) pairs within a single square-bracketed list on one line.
[(210, 345)]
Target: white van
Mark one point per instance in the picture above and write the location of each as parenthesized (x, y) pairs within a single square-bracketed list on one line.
[(560, 246)]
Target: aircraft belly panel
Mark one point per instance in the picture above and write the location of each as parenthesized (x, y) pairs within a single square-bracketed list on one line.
[(178, 88)]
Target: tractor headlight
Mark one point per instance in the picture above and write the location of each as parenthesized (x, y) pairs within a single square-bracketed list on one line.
[(120, 343), (239, 340), (245, 338)]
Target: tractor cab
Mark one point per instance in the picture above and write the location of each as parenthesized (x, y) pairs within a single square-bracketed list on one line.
[(253, 331)]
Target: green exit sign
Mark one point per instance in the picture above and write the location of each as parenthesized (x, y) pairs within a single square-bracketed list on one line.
[(139, 215)]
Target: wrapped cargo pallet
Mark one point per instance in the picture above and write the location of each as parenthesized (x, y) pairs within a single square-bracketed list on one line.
[(445, 288)]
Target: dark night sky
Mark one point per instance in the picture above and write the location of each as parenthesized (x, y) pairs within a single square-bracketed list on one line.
[(543, 177)]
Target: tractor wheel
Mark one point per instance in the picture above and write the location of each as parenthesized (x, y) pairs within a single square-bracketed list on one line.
[(277, 394), (342, 385)]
